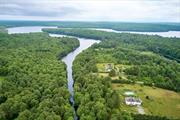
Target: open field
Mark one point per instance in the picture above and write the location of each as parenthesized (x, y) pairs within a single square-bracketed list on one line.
[(102, 66), (161, 102), (117, 67)]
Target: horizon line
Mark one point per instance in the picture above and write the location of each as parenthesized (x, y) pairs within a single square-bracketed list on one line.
[(93, 21)]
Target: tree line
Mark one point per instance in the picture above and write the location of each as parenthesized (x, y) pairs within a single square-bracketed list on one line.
[(121, 26)]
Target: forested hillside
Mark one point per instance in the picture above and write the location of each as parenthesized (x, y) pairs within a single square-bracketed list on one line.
[(121, 26), (33, 82)]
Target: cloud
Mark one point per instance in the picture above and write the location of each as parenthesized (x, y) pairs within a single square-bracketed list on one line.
[(92, 10), (36, 9)]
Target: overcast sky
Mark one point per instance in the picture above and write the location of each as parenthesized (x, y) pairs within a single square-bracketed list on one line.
[(91, 10)]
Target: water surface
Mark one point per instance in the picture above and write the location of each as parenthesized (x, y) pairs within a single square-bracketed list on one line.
[(68, 60), (39, 29), (163, 34), (28, 29)]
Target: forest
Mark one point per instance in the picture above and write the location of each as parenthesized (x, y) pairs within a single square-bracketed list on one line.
[(120, 26), (33, 82), (160, 68)]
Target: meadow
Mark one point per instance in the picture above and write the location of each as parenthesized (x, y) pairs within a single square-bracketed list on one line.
[(160, 102)]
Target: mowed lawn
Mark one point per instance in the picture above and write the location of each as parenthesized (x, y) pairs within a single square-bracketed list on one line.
[(161, 102)]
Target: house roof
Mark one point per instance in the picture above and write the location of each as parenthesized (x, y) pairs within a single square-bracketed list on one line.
[(132, 99)]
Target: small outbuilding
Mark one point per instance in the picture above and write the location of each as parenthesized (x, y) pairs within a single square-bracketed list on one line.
[(129, 93), (108, 67)]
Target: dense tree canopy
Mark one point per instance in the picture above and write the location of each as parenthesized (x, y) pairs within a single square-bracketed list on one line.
[(33, 84)]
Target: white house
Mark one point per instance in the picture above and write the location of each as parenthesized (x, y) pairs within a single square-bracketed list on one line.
[(133, 101)]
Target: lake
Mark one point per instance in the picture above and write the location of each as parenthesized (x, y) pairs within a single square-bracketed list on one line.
[(163, 34)]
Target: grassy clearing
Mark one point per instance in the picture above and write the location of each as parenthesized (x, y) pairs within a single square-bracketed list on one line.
[(102, 67), (106, 75), (161, 102), (119, 68)]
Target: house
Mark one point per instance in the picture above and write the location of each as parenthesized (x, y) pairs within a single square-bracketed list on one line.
[(133, 101), (108, 67)]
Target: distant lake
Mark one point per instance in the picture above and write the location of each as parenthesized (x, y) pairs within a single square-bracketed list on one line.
[(163, 34), (27, 29)]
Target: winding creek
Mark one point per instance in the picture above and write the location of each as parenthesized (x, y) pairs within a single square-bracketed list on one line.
[(68, 60), (84, 44)]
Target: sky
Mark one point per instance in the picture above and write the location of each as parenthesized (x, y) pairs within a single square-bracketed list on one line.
[(91, 10)]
